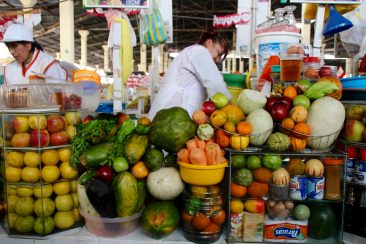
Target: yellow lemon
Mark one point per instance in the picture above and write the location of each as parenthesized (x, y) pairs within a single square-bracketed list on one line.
[(64, 203), (64, 220), (32, 159), (75, 199), (30, 174), (11, 190), (73, 118), (62, 188), (236, 206), (25, 191), (15, 159), (12, 199), (49, 157), (43, 191), (74, 185), (67, 171), (50, 173), (12, 218), (64, 154), (238, 142), (199, 191), (13, 174), (77, 215)]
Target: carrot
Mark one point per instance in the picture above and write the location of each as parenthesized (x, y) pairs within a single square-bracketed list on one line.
[(191, 144), (198, 156), (183, 155)]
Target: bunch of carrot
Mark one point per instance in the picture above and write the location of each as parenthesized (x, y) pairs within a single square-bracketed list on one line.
[(201, 152)]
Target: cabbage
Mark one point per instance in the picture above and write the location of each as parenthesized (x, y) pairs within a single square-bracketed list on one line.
[(205, 131)]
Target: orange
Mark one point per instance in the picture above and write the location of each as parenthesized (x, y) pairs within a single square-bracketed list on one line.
[(218, 217), (290, 92), (218, 118), (244, 128), (238, 190), (139, 170), (233, 112), (230, 127), (186, 217), (236, 206), (144, 121), (211, 229), (303, 129), (288, 123), (200, 221)]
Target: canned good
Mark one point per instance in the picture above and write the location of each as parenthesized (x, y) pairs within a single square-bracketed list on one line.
[(360, 177), (361, 166), (298, 187), (350, 174), (316, 187)]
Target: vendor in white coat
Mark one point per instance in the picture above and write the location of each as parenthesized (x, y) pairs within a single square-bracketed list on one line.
[(29, 58), (193, 76)]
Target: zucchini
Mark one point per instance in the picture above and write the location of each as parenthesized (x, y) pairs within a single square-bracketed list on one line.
[(95, 156)]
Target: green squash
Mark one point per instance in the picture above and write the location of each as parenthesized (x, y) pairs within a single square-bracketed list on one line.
[(322, 221), (160, 219)]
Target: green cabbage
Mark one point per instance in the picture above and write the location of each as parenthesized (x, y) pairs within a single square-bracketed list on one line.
[(205, 131)]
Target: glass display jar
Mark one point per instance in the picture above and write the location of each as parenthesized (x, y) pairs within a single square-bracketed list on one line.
[(332, 172)]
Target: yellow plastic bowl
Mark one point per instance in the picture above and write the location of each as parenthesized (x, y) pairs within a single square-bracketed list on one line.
[(202, 175)]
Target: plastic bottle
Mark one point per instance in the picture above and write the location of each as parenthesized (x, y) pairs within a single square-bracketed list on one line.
[(276, 80), (333, 172)]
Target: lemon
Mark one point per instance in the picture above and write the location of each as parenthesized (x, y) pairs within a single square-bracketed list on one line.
[(64, 154), (62, 188), (64, 220), (49, 157), (13, 174), (12, 218), (15, 159), (24, 224), (75, 199), (32, 159), (77, 215), (25, 191), (11, 190), (199, 191), (67, 171), (43, 191), (236, 206), (64, 203), (12, 200), (30, 174), (50, 173), (238, 142), (74, 185), (24, 206), (44, 207)]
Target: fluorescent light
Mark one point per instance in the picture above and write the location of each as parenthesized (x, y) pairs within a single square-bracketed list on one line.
[(173, 54)]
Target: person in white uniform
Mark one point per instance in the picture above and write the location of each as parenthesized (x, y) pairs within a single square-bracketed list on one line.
[(30, 59), (193, 76)]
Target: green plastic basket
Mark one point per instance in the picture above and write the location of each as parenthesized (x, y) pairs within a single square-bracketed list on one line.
[(235, 80)]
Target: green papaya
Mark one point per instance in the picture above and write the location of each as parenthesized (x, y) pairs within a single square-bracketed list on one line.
[(125, 189), (94, 156), (142, 192), (135, 147)]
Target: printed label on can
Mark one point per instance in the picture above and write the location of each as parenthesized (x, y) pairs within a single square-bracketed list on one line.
[(298, 187), (351, 163), (350, 174), (316, 187), (362, 166), (360, 177)]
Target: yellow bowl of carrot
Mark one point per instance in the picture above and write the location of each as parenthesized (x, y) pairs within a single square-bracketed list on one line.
[(202, 175)]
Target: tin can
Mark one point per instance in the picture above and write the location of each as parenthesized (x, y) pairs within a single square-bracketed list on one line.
[(350, 175), (360, 177), (316, 187), (361, 166), (298, 187)]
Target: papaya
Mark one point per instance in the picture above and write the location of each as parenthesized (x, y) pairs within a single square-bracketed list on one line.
[(135, 147), (142, 192), (96, 155), (160, 218), (125, 189)]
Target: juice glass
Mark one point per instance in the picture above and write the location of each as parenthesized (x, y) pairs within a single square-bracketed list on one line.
[(291, 67)]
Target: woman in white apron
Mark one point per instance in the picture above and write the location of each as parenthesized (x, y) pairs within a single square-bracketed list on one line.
[(29, 58), (193, 76)]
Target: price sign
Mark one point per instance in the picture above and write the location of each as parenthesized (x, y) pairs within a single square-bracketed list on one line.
[(116, 4)]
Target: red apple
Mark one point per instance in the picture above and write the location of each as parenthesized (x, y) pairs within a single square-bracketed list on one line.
[(59, 138), (325, 71), (279, 112), (354, 129), (55, 123), (20, 140), (39, 138), (121, 117), (208, 107), (285, 101), (20, 124), (270, 102)]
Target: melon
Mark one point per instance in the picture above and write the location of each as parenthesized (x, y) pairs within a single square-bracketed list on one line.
[(262, 124), (325, 118), (251, 100)]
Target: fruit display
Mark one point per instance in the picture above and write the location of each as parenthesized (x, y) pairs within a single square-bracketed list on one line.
[(41, 185), (269, 192), (354, 130)]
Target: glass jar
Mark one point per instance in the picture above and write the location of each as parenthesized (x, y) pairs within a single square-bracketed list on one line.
[(333, 172), (311, 67), (291, 67)]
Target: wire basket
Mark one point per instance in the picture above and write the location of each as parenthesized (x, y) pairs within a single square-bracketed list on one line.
[(256, 141)]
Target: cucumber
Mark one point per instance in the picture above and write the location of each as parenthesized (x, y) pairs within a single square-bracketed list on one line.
[(96, 155), (124, 187)]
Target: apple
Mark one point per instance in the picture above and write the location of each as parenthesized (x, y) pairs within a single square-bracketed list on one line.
[(55, 123), (71, 131), (59, 138), (37, 122), (20, 140), (72, 118), (20, 124), (325, 71), (121, 118), (354, 129), (270, 102), (208, 107), (39, 138), (285, 101), (220, 100), (356, 112), (301, 100), (279, 111)]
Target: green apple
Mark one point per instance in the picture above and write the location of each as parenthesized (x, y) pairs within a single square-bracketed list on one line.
[(220, 100), (301, 100)]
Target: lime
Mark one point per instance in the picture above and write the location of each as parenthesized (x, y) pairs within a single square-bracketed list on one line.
[(24, 224), (253, 162), (44, 225), (12, 200), (301, 100), (238, 161), (120, 164), (301, 212)]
